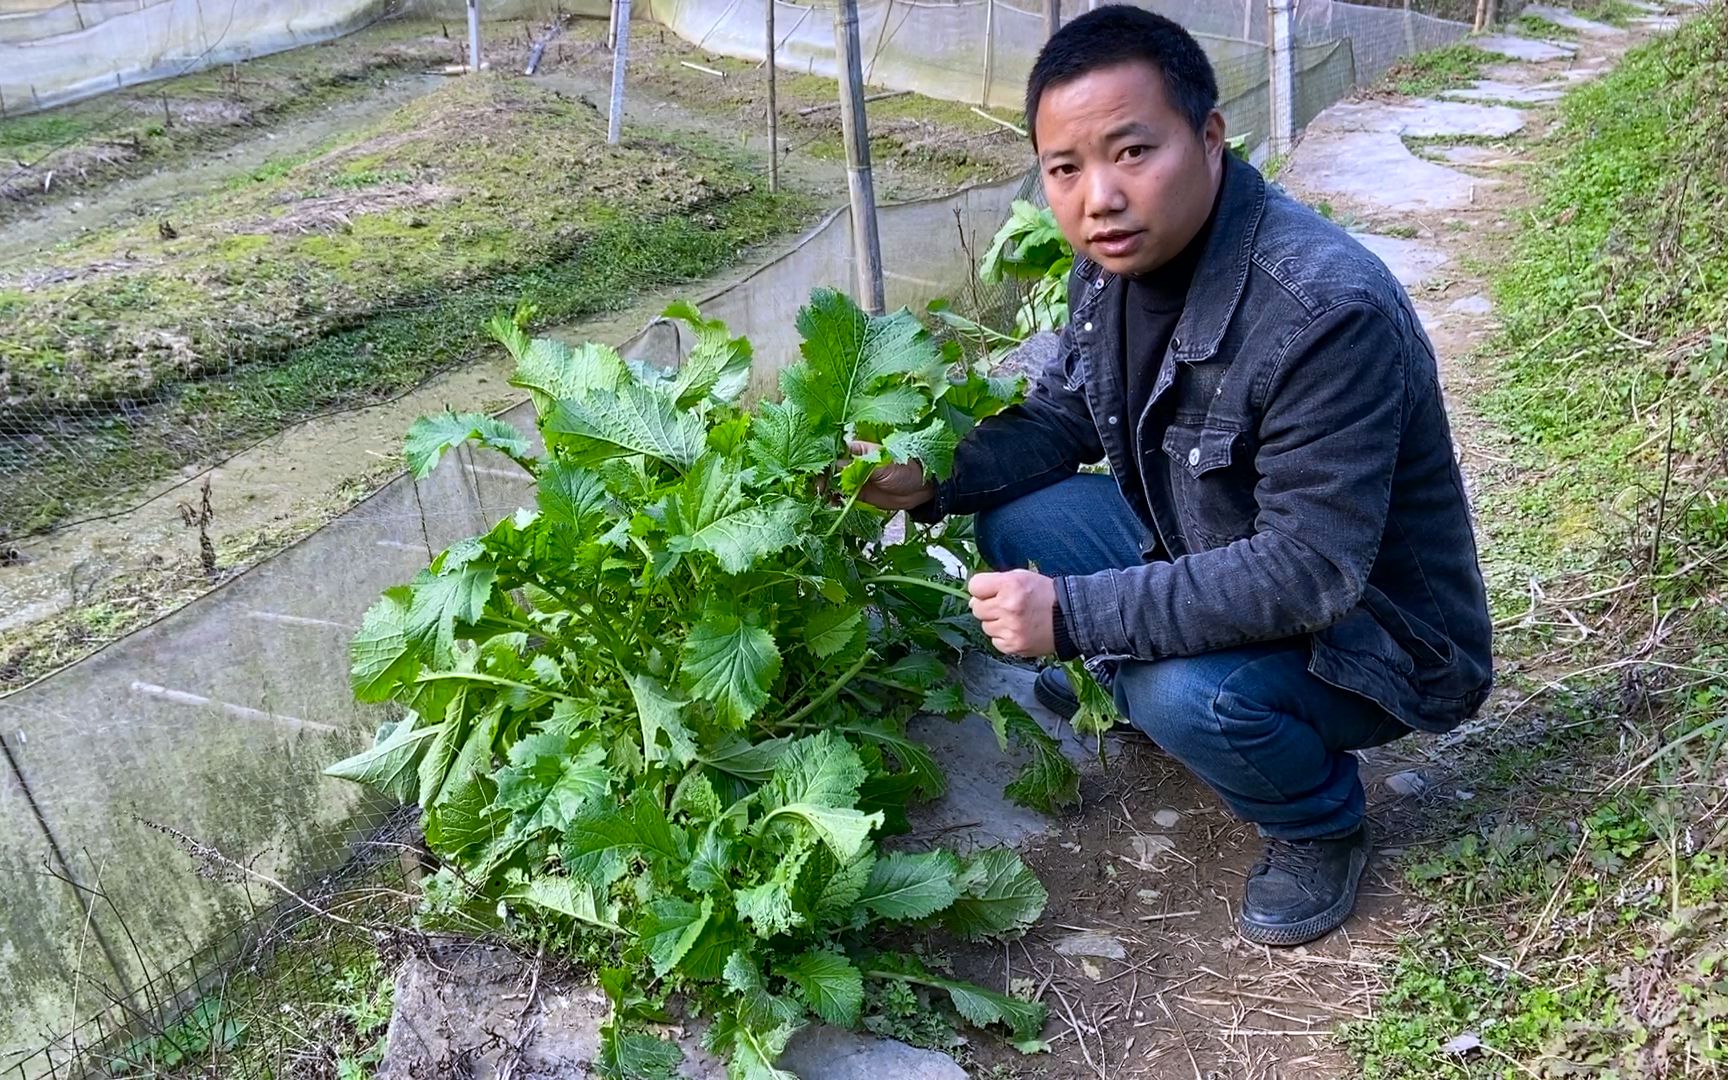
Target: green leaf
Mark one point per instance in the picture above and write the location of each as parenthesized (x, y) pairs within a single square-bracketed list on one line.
[(710, 513), (392, 763), (731, 661), (718, 366), (634, 420), (985, 1007), (913, 756), (636, 1055), (918, 671), (857, 367), (549, 790), (668, 927), (597, 847), (695, 798), (1048, 780), (430, 436), (947, 700), (754, 1052), (760, 1006), (441, 601), (999, 895), (842, 890), (772, 906), (466, 816), (751, 762), (906, 886), (932, 447), (553, 371), (821, 770), (572, 499), (710, 861), (783, 445), (565, 896), (382, 656), (1097, 713), (435, 763), (844, 829), (661, 840), (832, 986), (831, 629), (659, 711)]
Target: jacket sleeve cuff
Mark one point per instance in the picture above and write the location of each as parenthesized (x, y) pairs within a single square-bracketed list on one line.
[(1065, 647), (1092, 611), (937, 508)]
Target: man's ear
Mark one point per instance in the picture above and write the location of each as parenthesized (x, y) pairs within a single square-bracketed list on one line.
[(1212, 135)]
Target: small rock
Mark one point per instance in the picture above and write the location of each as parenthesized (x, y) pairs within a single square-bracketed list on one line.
[(1093, 971), (1148, 896), (1410, 782), (1167, 819), (1148, 849), (1462, 1044), (1091, 943), (1463, 796), (836, 1054), (1472, 305)]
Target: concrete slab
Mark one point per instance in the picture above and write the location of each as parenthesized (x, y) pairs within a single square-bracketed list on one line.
[(1531, 50), (1658, 23), (1411, 261), (1481, 156), (1422, 117), (1375, 169), (1497, 90), (1573, 21)]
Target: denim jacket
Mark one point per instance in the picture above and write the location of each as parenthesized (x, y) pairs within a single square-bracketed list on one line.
[(1311, 484)]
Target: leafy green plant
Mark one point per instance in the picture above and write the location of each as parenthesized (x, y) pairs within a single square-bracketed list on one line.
[(666, 705), (1030, 247), (203, 1033)]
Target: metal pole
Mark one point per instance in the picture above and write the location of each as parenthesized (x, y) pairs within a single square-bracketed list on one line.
[(473, 35), (620, 56), (1281, 55), (773, 109), (989, 51), (1052, 17), (612, 26), (866, 243)]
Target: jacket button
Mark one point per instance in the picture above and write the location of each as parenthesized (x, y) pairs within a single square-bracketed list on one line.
[(1175, 343), (1098, 284), (1087, 328), (1194, 456), (1112, 420)]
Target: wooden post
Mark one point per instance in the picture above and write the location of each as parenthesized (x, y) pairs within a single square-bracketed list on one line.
[(620, 57), (473, 35), (1481, 16), (773, 109), (866, 243), (1052, 17)]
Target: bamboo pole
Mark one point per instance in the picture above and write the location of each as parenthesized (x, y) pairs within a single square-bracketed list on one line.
[(866, 242), (773, 108)]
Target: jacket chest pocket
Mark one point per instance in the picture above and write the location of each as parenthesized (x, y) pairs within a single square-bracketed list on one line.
[(1212, 481)]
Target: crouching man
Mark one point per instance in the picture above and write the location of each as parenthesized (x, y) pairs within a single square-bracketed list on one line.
[(1280, 568)]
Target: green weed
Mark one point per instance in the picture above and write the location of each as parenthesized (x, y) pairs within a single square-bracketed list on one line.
[(1431, 72)]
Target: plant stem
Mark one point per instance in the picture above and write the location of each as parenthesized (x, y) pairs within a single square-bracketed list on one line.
[(495, 680), (901, 579), (833, 688), (844, 510)]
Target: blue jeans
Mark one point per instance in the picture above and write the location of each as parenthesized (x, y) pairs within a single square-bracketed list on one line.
[(1270, 738)]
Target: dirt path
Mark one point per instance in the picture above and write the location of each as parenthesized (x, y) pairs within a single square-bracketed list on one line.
[(1144, 974)]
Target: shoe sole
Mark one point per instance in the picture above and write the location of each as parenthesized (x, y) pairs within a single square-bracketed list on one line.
[(1310, 929)]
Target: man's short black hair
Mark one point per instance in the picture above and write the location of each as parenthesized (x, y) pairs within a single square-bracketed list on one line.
[(1120, 34)]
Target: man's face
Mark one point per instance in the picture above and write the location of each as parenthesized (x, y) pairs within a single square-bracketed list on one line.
[(1129, 179)]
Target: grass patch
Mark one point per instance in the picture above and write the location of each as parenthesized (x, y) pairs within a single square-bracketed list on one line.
[(1537, 26), (1581, 893), (1437, 70), (307, 292)]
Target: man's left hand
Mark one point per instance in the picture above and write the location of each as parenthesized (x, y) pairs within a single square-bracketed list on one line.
[(1017, 609)]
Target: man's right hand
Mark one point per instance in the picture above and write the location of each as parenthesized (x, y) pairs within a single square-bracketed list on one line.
[(893, 487)]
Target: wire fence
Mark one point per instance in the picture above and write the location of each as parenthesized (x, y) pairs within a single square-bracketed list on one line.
[(230, 1009)]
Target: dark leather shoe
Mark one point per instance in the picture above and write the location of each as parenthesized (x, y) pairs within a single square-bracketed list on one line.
[(1301, 890), (1056, 693)]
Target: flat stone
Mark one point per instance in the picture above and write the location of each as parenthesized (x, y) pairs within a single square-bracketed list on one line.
[(973, 812), (1422, 117), (1411, 261), (1375, 169), (1481, 156), (1149, 851), (1091, 943), (826, 1053), (1408, 783), (1531, 50), (1472, 305), (1658, 22), (1497, 90), (1573, 21), (463, 1009), (1030, 356), (1167, 818)]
